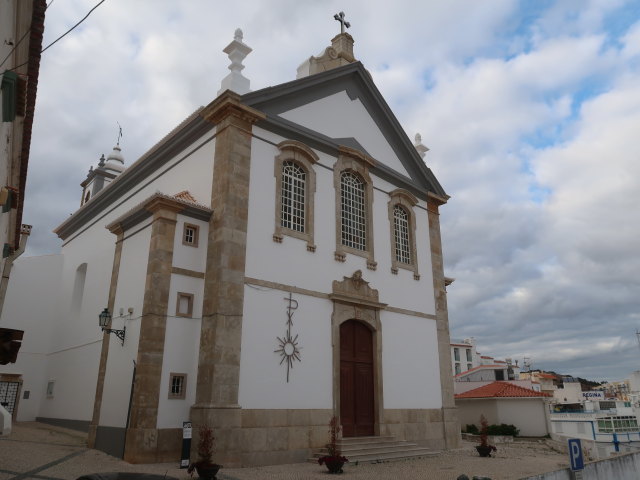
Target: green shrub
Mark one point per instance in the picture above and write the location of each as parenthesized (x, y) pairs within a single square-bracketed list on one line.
[(471, 428), (503, 429)]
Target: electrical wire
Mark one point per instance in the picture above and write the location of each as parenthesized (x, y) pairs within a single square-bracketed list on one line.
[(57, 39), (21, 39)]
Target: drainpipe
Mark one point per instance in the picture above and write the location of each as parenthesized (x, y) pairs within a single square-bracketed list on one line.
[(25, 231)]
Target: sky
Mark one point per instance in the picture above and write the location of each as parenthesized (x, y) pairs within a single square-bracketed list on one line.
[(531, 111)]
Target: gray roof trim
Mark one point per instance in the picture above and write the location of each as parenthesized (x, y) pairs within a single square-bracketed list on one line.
[(166, 149), (328, 145), (357, 82)]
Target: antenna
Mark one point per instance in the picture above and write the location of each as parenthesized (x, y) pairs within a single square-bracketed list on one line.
[(526, 364)]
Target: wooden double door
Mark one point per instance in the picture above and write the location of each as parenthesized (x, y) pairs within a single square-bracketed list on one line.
[(357, 404)]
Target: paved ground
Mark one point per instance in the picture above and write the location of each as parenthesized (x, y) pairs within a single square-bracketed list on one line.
[(42, 452)]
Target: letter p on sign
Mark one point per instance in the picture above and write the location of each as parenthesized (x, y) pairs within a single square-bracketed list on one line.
[(575, 454)]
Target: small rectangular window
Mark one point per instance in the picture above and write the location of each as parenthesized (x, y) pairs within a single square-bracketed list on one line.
[(457, 368), (468, 355), (177, 385), (469, 366), (456, 354), (50, 387), (184, 305), (26, 394), (190, 235)]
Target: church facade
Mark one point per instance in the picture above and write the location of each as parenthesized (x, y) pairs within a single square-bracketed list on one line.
[(272, 262)]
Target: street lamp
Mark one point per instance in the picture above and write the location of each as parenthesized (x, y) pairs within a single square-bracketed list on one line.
[(104, 320)]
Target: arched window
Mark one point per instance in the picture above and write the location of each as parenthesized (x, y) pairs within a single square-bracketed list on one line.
[(78, 289), (353, 212), (292, 212), (402, 219), (295, 189), (354, 205), (401, 235)]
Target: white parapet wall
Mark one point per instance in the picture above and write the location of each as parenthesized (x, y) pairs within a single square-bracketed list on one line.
[(622, 467)]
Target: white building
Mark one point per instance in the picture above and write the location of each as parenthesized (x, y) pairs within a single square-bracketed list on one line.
[(605, 427), (22, 26), (273, 261), (471, 366)]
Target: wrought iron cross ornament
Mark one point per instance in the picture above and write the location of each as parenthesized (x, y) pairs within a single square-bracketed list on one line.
[(343, 23), (289, 350)]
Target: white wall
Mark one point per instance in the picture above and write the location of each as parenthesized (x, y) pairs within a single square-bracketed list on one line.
[(289, 262), (337, 116), (411, 370), (263, 382), (129, 294), (30, 306), (527, 414), (181, 345)]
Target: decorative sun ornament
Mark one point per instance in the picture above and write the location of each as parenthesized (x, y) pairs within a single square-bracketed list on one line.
[(289, 350)]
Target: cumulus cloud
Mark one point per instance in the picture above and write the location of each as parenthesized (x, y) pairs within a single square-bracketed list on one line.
[(530, 111)]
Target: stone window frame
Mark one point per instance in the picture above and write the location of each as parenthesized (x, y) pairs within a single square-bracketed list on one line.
[(183, 386), (404, 199), (358, 163), (305, 158), (190, 298), (196, 234)]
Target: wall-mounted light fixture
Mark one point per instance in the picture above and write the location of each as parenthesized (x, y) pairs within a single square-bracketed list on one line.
[(104, 320)]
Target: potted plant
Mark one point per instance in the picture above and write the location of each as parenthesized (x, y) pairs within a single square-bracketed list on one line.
[(334, 461), (484, 449), (207, 470)]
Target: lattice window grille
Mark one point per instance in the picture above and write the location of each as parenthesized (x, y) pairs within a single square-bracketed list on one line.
[(293, 196), (401, 229), (353, 211), (177, 385), (189, 235)]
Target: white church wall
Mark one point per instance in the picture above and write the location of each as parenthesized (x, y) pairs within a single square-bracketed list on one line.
[(337, 116), (410, 365), (32, 278), (129, 295), (290, 263), (77, 337), (181, 345), (184, 256), (263, 381)]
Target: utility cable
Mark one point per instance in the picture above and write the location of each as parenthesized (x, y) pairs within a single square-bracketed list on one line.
[(57, 39)]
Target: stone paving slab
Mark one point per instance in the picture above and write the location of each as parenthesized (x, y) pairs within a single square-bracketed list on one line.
[(39, 452)]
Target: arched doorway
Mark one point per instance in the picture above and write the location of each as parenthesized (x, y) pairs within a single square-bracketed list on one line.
[(357, 408)]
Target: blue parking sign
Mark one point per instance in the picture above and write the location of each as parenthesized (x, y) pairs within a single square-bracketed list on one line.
[(575, 454)]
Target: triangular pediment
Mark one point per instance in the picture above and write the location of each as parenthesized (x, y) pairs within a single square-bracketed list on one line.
[(344, 107)]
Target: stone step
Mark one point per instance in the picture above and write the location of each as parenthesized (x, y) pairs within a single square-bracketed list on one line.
[(376, 449), (371, 448), (352, 440)]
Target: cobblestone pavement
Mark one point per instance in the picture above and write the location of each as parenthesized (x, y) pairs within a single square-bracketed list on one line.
[(42, 452)]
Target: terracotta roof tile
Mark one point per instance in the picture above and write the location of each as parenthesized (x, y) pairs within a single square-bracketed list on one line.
[(501, 390)]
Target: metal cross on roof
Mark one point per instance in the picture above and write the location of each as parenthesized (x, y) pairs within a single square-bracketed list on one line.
[(343, 23)]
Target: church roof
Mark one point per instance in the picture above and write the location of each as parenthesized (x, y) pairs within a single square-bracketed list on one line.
[(501, 390), (182, 201), (357, 82)]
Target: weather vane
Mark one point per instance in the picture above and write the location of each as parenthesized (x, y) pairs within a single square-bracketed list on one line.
[(343, 23), (289, 350), (119, 133)]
